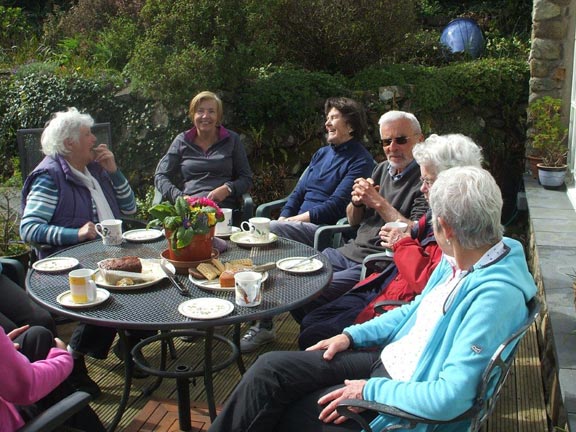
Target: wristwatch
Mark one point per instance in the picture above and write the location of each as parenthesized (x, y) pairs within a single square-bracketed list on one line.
[(228, 187)]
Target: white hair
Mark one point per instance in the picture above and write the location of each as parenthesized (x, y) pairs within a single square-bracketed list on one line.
[(64, 125), (440, 152), (470, 202), (392, 116)]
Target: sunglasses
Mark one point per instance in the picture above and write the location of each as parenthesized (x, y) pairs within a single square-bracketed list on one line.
[(398, 140)]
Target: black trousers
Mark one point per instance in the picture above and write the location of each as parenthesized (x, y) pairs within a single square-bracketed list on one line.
[(35, 344), (281, 390), (17, 309)]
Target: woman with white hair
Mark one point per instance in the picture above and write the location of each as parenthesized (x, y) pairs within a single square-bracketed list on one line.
[(425, 358), (76, 185)]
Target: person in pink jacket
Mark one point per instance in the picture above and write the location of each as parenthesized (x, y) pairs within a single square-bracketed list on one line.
[(33, 370)]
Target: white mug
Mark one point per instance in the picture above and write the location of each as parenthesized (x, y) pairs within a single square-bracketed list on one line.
[(111, 231), (259, 227), (225, 226), (82, 285), (248, 288), (394, 225)]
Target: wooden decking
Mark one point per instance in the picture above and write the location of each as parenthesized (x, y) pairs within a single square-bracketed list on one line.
[(521, 407)]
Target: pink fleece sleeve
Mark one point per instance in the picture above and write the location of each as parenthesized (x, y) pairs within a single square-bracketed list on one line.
[(23, 382)]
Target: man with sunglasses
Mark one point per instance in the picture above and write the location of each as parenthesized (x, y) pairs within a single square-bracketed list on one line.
[(392, 193)]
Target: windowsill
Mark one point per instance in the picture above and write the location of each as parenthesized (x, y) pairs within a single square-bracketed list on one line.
[(553, 224)]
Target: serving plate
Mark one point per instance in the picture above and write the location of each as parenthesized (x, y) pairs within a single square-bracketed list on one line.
[(55, 265), (151, 271), (306, 267), (183, 266), (142, 235), (246, 239), (205, 308), (65, 299), (214, 284)]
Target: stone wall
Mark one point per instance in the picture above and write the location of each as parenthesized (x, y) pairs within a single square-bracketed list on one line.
[(551, 55)]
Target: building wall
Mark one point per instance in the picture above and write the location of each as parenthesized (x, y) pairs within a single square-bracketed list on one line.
[(552, 52)]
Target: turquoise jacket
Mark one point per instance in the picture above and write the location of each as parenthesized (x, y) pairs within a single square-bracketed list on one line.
[(489, 306)]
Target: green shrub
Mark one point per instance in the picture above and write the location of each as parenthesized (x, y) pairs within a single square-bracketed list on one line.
[(339, 36), (14, 27), (286, 106), (190, 46)]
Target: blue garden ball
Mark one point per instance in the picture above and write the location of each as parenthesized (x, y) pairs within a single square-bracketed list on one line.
[(463, 35)]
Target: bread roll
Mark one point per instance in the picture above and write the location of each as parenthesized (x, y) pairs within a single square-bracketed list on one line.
[(227, 279)]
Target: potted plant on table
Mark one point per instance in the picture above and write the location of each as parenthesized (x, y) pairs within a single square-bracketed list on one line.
[(549, 138), (189, 226)]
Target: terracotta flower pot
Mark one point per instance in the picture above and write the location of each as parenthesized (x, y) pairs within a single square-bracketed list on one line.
[(200, 248), (533, 162)]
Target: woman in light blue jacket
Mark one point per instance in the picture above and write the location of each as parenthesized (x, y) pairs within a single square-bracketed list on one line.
[(431, 353)]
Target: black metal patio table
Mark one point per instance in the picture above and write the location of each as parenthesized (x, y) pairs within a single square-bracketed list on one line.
[(156, 307)]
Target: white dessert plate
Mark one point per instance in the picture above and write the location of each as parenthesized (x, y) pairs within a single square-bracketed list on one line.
[(151, 271), (247, 239), (306, 267), (55, 265), (142, 235), (214, 284), (233, 230), (65, 299), (205, 308)]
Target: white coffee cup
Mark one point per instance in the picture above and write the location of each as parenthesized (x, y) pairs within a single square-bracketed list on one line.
[(82, 285), (225, 226), (248, 288), (401, 226), (111, 231), (258, 226)]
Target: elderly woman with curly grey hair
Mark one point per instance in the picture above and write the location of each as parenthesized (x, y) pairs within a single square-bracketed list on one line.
[(425, 358), (76, 185)]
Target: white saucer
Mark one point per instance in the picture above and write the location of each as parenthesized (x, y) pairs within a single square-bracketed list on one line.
[(142, 235), (233, 230), (306, 267), (55, 265), (205, 308), (65, 299), (246, 239)]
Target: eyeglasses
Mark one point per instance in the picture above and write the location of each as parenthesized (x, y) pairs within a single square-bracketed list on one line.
[(398, 140), (426, 181)]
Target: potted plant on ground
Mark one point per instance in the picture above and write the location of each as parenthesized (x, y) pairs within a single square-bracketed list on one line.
[(549, 138), (10, 244)]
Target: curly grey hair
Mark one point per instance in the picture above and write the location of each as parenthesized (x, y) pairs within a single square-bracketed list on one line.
[(470, 202), (440, 152), (63, 125)]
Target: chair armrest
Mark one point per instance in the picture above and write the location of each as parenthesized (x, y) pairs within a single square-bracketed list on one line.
[(369, 262), (247, 206), (57, 414), (14, 270), (130, 223), (265, 210), (324, 235), (410, 421), (379, 307)]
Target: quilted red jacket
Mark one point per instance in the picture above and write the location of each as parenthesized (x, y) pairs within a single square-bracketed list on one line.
[(415, 260)]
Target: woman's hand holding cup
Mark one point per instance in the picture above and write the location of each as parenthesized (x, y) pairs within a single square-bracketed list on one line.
[(390, 233)]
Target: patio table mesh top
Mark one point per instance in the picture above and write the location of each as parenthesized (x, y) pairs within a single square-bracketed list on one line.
[(156, 306)]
